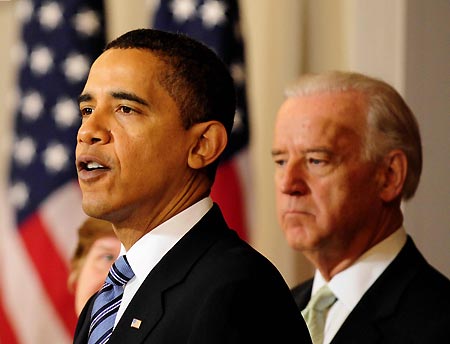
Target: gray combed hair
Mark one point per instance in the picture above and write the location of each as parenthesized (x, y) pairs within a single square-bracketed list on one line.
[(391, 123)]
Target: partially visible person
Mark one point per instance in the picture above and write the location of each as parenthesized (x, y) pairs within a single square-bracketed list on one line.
[(157, 110), (347, 151), (97, 249)]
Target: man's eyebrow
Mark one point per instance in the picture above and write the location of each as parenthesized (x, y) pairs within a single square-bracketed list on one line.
[(306, 151), (117, 95), (129, 96), (276, 152), (318, 150), (85, 97)]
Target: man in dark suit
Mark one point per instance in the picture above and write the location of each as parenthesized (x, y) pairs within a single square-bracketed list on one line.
[(347, 151), (157, 110)]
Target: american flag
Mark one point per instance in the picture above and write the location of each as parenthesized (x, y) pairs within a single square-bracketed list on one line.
[(216, 23), (59, 41)]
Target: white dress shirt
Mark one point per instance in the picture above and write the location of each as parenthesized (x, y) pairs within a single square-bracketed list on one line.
[(149, 250), (350, 285)]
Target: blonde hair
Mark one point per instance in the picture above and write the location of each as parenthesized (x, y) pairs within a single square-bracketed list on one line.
[(91, 230), (390, 122)]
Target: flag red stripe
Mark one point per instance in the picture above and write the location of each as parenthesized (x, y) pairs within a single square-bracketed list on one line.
[(51, 268), (6, 332), (227, 191)]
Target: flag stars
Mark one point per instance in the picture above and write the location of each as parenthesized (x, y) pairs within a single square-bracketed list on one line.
[(32, 105), (24, 10), (41, 60), (87, 22), (19, 195), (55, 157), (238, 73), (238, 122), (50, 15), (183, 10), (24, 151), (212, 13), (66, 113), (76, 67)]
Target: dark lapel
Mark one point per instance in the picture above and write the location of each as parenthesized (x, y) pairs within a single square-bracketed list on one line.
[(302, 294), (147, 306), (82, 330), (366, 322)]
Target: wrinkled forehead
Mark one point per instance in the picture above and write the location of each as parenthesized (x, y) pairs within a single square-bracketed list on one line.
[(344, 108), (323, 119)]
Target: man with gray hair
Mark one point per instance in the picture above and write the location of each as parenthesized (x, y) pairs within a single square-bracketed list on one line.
[(347, 151)]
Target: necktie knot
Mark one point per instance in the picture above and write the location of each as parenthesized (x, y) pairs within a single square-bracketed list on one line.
[(323, 299), (120, 272)]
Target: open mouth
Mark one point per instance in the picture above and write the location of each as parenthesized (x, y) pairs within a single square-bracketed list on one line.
[(91, 166), (86, 165)]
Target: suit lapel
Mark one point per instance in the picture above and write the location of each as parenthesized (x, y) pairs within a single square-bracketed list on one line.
[(84, 321), (146, 308), (302, 294), (366, 322)]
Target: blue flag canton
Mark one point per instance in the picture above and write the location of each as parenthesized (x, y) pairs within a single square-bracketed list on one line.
[(60, 40), (216, 23)]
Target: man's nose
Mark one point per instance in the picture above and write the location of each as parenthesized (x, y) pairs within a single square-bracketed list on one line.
[(94, 129), (293, 179)]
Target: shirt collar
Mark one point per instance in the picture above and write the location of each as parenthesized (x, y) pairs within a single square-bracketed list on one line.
[(149, 250), (351, 284)]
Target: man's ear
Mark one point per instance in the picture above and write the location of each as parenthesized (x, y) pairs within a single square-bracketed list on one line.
[(209, 141), (393, 175)]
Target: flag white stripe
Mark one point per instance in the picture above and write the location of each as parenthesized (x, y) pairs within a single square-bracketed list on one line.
[(25, 289), (61, 224)]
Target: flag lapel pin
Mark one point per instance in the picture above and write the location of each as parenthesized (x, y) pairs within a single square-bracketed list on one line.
[(136, 323)]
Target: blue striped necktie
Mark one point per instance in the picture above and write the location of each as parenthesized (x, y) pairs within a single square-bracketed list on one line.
[(108, 301)]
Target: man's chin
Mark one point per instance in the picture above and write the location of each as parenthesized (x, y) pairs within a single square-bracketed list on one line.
[(299, 238), (294, 237), (94, 209)]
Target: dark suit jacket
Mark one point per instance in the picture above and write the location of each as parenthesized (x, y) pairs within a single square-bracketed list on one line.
[(213, 288), (408, 303)]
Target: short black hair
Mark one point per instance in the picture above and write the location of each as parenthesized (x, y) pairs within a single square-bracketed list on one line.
[(196, 78)]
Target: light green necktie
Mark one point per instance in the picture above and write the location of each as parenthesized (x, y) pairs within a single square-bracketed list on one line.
[(316, 311)]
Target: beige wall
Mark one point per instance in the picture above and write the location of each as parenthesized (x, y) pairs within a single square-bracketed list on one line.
[(287, 37), (7, 37)]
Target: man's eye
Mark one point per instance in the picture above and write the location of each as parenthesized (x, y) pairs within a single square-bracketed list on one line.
[(86, 111), (280, 162), (313, 161), (320, 166), (126, 109)]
